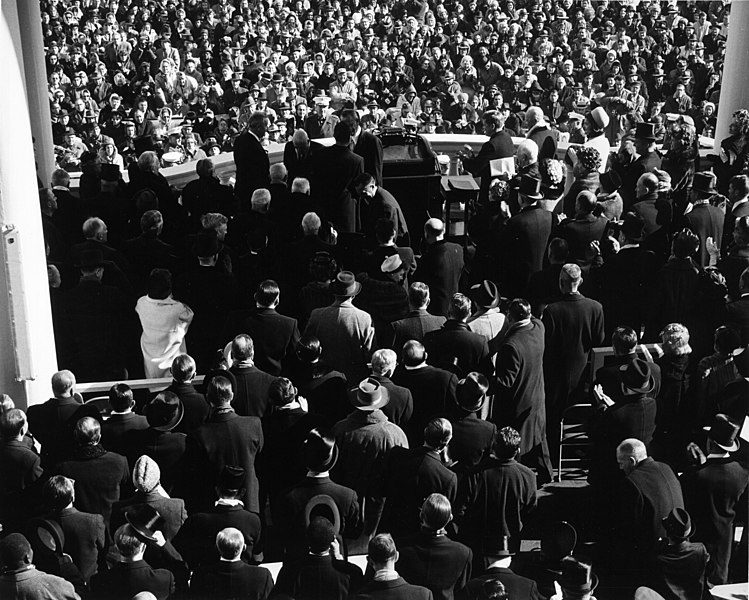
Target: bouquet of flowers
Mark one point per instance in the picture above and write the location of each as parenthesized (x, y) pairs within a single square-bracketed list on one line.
[(499, 189)]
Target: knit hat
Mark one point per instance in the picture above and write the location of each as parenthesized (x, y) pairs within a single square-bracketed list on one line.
[(146, 474)]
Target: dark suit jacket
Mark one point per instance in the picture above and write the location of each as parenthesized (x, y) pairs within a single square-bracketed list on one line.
[(705, 221), (196, 406), (415, 326), (649, 493), (384, 206), (295, 166), (435, 562), (275, 336), (411, 476), (52, 424), (433, 393), (146, 253), (515, 585), (580, 232), (336, 168), (742, 210), (397, 589), (253, 165), (678, 571), (498, 146), (227, 580), (99, 477), (124, 580), (610, 377), (84, 538), (167, 448), (251, 395), (527, 235), (400, 406), (546, 141), (472, 440), (454, 340), (738, 316), (225, 439), (20, 470), (440, 267), (115, 429), (314, 577), (369, 147)]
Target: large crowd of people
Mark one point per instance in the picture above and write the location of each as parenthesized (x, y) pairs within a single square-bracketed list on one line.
[(368, 380)]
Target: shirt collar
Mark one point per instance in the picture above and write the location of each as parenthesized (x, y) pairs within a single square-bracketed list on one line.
[(421, 366), (229, 502), (386, 575), (124, 412), (315, 475)]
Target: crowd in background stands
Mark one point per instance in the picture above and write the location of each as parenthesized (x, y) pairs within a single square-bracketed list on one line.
[(127, 76)]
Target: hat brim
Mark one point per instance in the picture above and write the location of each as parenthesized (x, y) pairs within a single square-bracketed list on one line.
[(732, 448), (326, 465), (384, 399), (351, 294), (473, 408), (176, 420), (143, 534), (582, 589)]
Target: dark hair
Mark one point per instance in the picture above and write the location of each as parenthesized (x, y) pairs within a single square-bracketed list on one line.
[(459, 307), (120, 397), (438, 432), (183, 368), (363, 180), (507, 443), (519, 309), (309, 348), (58, 492), (267, 292), (381, 548), (219, 391), (281, 392), (11, 423), (624, 340), (559, 249), (320, 534), (342, 133), (159, 284), (413, 353)]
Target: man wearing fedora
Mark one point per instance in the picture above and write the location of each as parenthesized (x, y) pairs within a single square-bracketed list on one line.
[(414, 473), (525, 238), (678, 569), (712, 491), (576, 580), (345, 332), (649, 158), (365, 438), (400, 405), (704, 219), (498, 558)]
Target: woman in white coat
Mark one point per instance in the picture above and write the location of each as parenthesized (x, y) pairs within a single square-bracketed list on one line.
[(165, 322)]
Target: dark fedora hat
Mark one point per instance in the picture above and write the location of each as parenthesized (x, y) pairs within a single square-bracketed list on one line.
[(110, 172), (636, 377), (345, 284), (470, 392), (723, 432), (370, 395), (704, 183), (610, 181), (485, 294), (232, 478), (145, 521), (206, 244), (576, 577), (90, 259), (678, 524), (320, 451), (165, 411), (530, 187), (645, 131)]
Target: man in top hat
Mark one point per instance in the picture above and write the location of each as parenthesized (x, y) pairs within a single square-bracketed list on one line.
[(498, 558), (525, 238), (161, 441), (574, 325), (576, 579), (500, 499), (629, 412), (414, 473), (230, 577), (365, 438), (496, 154), (704, 220), (678, 570), (132, 574), (345, 332), (430, 558), (650, 158), (711, 494), (650, 491)]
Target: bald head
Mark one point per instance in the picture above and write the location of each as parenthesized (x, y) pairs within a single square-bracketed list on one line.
[(646, 184), (434, 230), (300, 139), (629, 454), (533, 115)]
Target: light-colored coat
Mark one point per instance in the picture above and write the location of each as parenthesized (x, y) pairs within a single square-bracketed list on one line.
[(165, 323)]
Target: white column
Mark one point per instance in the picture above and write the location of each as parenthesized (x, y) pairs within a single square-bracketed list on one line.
[(734, 89), (27, 358)]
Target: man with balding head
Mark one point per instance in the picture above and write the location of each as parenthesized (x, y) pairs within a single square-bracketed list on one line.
[(251, 394), (540, 132), (297, 155), (655, 213), (440, 267), (650, 491), (573, 326)]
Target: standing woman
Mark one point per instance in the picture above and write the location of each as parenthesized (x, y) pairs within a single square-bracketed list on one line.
[(165, 322)]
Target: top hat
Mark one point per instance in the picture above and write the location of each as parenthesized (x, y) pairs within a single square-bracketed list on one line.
[(645, 131), (470, 392), (90, 259), (724, 432), (485, 294), (530, 187), (232, 478), (499, 547), (636, 377), (577, 577), (558, 540), (370, 395), (345, 285), (678, 524), (206, 244), (320, 451), (165, 411), (145, 520), (704, 183), (610, 181)]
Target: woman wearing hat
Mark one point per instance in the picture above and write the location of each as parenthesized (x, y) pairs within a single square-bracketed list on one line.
[(108, 154)]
